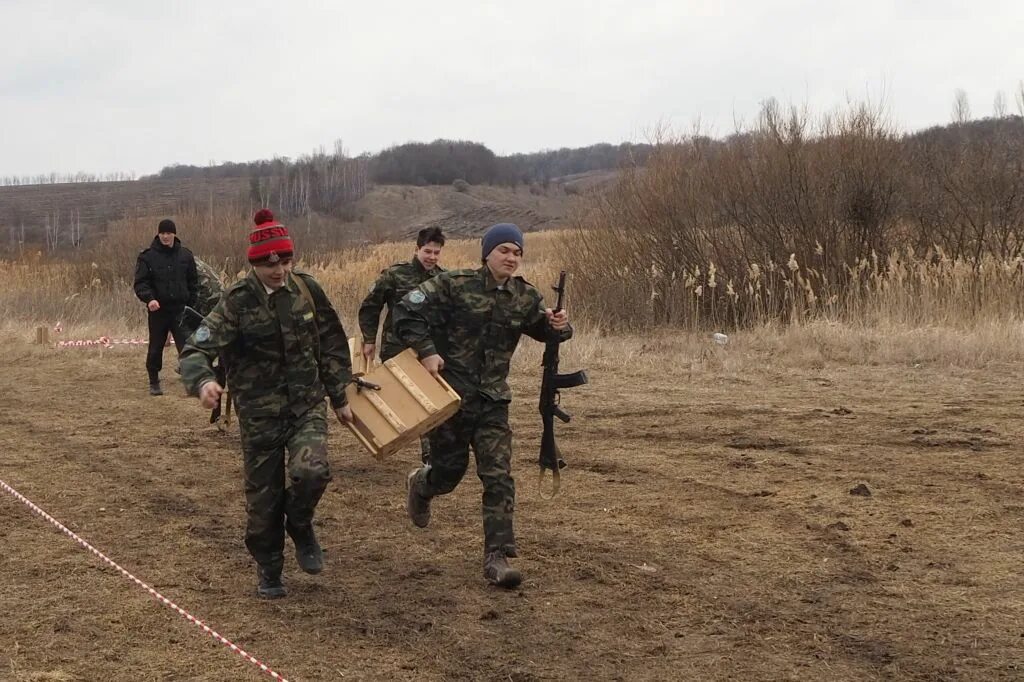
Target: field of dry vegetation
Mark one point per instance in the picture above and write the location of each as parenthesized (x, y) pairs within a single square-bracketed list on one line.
[(836, 493)]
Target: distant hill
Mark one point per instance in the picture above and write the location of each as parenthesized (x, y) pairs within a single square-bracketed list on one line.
[(460, 186), (384, 212), (440, 162), (28, 211), (468, 213), (971, 131)]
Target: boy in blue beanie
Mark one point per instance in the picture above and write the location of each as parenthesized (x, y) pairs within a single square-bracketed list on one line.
[(465, 325)]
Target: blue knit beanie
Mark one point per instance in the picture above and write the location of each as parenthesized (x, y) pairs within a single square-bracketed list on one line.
[(500, 234)]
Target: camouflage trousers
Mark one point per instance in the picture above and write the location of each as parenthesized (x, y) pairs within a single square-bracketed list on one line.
[(482, 425), (286, 473)]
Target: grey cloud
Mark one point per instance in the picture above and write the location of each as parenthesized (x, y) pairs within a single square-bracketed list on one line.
[(133, 86)]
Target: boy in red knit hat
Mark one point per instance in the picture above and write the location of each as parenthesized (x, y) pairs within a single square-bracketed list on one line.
[(286, 350)]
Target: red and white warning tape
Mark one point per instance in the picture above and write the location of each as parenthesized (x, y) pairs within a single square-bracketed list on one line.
[(159, 597), (104, 341), (101, 342)]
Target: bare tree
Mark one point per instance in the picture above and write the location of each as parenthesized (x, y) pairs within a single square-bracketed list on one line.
[(52, 230), (75, 227), (999, 105), (961, 107)]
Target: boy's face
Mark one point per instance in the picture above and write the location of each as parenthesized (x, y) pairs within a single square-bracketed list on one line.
[(166, 238), (274, 275), (429, 254), (504, 260)]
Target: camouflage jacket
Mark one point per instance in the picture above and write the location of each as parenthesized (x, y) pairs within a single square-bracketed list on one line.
[(394, 283), (271, 348), (210, 287), (475, 325)]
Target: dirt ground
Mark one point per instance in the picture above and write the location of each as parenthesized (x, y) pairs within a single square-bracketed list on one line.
[(707, 530)]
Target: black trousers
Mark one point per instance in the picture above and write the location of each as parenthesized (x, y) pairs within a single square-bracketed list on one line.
[(160, 323)]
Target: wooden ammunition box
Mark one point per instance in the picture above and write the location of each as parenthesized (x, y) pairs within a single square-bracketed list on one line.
[(410, 403), (359, 364)]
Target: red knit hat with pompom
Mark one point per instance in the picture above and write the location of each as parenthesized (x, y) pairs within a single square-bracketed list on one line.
[(269, 240)]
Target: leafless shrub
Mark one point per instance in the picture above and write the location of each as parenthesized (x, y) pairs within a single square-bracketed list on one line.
[(793, 219)]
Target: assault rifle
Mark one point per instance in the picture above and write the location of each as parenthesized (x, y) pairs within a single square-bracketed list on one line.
[(550, 398)]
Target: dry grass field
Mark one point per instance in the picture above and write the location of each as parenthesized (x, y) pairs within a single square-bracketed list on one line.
[(822, 502)]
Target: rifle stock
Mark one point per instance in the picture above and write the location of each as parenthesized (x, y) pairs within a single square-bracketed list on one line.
[(191, 318)]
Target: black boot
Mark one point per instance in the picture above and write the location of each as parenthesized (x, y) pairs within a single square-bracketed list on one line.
[(270, 586), (416, 504), (308, 552), (154, 388), (498, 571)]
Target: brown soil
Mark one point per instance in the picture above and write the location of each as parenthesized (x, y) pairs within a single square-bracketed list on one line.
[(844, 523)]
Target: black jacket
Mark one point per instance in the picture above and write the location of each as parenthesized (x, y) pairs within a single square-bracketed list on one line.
[(167, 274)]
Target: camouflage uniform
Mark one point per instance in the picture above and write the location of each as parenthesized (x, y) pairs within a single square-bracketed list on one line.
[(476, 327), (210, 287), (207, 298), (278, 382), (392, 284)]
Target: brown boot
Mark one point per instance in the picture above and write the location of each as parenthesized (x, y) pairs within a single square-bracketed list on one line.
[(417, 505), (498, 571)]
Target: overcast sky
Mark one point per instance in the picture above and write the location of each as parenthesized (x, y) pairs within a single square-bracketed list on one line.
[(137, 85)]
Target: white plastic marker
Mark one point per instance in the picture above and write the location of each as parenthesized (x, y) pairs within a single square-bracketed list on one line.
[(159, 597)]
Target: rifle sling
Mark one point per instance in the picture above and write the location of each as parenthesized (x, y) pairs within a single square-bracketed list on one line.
[(308, 295)]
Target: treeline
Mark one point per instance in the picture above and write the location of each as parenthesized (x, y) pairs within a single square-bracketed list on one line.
[(319, 183), (62, 178), (440, 162), (797, 213), (541, 167)]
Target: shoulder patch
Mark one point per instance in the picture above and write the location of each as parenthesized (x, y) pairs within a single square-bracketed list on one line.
[(202, 333), (416, 297)]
